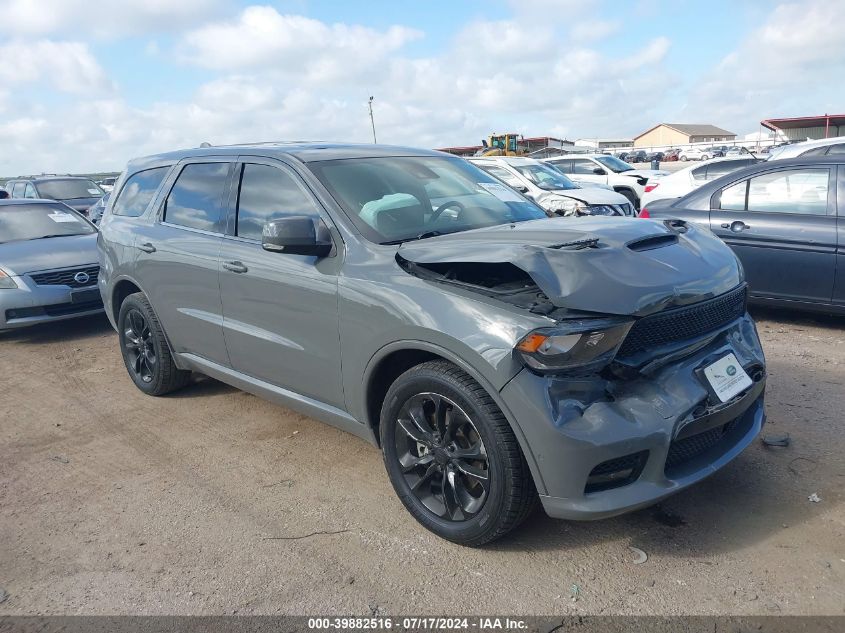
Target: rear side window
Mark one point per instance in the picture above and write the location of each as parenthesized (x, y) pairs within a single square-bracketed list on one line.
[(17, 190), (836, 149), (563, 165), (268, 193), (819, 151), (29, 192), (699, 173), (717, 170), (196, 199), (583, 167), (137, 192)]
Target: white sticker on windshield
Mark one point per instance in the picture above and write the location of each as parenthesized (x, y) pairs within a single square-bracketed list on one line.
[(94, 192), (59, 216), (503, 193)]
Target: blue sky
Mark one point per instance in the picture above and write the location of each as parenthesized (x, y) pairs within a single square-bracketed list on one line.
[(83, 90)]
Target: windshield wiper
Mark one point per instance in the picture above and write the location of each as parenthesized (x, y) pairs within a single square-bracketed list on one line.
[(421, 236), (44, 237)]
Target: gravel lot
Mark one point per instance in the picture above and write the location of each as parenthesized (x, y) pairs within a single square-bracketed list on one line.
[(112, 502)]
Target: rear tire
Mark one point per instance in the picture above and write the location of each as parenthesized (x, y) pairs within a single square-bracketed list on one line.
[(144, 348), (452, 457)]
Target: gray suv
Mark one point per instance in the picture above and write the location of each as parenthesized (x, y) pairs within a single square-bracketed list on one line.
[(494, 354)]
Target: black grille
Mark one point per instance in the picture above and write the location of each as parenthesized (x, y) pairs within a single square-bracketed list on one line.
[(608, 474), (682, 451), (66, 277), (63, 309), (679, 324)]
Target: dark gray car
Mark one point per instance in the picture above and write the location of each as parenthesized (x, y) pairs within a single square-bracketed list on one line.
[(77, 192), (408, 297), (785, 220)]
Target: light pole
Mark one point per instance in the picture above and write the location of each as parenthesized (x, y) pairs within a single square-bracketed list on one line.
[(372, 120)]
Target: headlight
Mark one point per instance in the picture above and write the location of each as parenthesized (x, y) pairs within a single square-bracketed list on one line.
[(6, 280), (583, 345), (598, 209), (564, 206)]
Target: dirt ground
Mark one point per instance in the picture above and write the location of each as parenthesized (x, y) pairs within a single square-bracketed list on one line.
[(112, 502)]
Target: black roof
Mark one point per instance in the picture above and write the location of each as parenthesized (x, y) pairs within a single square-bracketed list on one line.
[(305, 152)]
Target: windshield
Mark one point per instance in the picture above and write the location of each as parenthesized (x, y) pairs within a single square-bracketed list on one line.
[(545, 177), (34, 221), (69, 189), (394, 199), (614, 164)]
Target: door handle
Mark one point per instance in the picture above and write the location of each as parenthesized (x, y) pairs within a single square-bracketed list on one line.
[(147, 247), (736, 226), (235, 267)]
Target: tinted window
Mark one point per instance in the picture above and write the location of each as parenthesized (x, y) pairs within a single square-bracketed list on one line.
[(563, 165), (790, 191), (69, 189), (37, 221), (836, 149), (137, 192), (268, 193), (29, 192), (582, 166), (502, 174), (196, 199), (819, 151)]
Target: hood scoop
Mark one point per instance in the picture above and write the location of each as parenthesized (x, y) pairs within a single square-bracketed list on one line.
[(652, 242)]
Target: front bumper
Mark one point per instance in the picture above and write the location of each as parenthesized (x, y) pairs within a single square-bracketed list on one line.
[(30, 303), (659, 427)]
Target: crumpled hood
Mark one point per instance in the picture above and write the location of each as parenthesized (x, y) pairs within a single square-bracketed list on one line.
[(650, 174), (25, 256), (592, 195), (635, 268)]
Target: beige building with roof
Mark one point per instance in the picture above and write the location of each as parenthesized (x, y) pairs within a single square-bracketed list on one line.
[(667, 134)]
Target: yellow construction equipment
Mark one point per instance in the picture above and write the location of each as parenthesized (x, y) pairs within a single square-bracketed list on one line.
[(502, 145)]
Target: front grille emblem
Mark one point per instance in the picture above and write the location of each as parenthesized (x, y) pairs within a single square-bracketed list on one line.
[(81, 278)]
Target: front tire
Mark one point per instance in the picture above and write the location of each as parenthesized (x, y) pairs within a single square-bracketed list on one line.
[(632, 197), (452, 457), (145, 351)]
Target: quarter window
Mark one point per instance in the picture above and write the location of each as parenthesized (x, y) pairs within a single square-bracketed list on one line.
[(733, 198), (137, 192), (836, 149), (196, 199), (29, 192), (268, 193)]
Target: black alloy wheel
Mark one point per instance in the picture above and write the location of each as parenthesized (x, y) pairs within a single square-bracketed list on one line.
[(442, 455)]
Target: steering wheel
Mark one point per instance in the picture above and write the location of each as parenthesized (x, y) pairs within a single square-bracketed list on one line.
[(439, 210)]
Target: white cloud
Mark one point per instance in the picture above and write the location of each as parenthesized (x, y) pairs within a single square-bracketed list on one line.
[(34, 17), (789, 66), (66, 66), (261, 37)]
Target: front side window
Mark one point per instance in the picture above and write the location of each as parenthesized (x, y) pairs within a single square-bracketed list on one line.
[(546, 177), (137, 191), (583, 166), (395, 199), (801, 191), (268, 193), (502, 174), (790, 191), (196, 200)]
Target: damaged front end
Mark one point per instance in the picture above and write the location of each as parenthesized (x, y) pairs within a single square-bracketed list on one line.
[(617, 403)]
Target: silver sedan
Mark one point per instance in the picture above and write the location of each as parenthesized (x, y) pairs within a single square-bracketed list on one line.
[(48, 263)]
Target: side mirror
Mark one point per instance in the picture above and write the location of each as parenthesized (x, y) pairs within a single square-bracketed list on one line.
[(294, 235), (519, 187), (599, 171)]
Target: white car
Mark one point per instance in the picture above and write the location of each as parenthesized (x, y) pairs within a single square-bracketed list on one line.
[(602, 169), (694, 153), (552, 190), (685, 180), (821, 147)]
